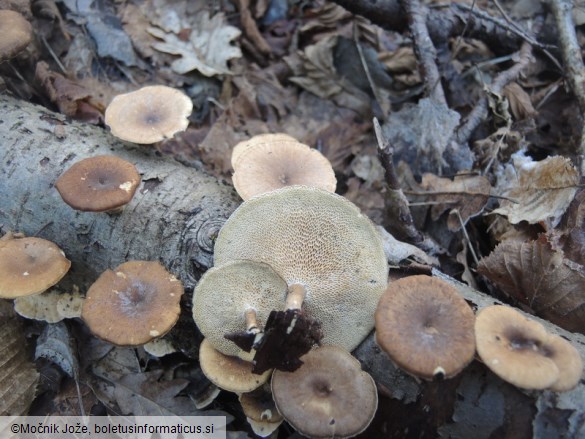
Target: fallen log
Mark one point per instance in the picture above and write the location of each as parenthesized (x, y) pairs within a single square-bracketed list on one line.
[(174, 217)]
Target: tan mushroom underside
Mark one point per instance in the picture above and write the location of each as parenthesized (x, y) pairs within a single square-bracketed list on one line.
[(322, 241)]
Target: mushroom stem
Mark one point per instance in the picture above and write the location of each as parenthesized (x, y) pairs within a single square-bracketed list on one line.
[(251, 322), (295, 297)]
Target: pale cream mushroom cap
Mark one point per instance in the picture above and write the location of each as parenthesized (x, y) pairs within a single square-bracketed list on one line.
[(266, 166), (30, 266), (567, 359), (328, 396), (229, 372), (244, 146), (511, 345), (149, 115), (226, 292), (52, 306), (319, 240)]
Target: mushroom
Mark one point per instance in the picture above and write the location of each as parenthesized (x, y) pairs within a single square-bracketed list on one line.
[(99, 184), (425, 327), (133, 304), (233, 297), (29, 266), (149, 115), (260, 411), (227, 372), (567, 359), (513, 347), (328, 396), (17, 33), (321, 242), (274, 161), (51, 306)]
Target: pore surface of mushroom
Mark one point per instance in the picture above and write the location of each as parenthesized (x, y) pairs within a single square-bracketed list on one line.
[(425, 327), (328, 396), (149, 115), (98, 184), (30, 266), (17, 33), (228, 295), (269, 163), (133, 304), (320, 241)]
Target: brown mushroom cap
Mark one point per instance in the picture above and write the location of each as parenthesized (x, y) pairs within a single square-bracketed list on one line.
[(149, 115), (268, 165), (98, 184), (243, 147), (328, 396), (133, 304), (17, 33), (229, 372), (30, 266), (260, 411), (319, 240), (226, 292), (511, 345), (426, 327), (567, 359)]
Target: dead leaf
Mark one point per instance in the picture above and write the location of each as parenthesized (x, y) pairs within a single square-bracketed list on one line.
[(541, 278), (250, 27), (572, 229), (402, 60), (542, 191), (520, 103), (207, 47), (56, 345), (466, 194)]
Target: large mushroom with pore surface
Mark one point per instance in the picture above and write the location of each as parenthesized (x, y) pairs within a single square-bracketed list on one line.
[(29, 266), (425, 327), (521, 352), (274, 162), (133, 304), (99, 184), (149, 115), (321, 242), (328, 396)]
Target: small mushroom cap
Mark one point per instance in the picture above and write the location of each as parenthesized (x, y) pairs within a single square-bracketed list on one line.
[(511, 345), (260, 411), (133, 304), (149, 115), (98, 184), (227, 372), (224, 293), (52, 306), (328, 396), (17, 33), (426, 327), (243, 147), (268, 165), (30, 266), (567, 359), (319, 240)]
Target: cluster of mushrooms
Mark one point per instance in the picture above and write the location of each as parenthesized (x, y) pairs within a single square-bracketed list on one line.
[(300, 279)]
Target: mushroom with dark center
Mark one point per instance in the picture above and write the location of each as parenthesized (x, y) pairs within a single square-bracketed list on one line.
[(99, 184), (133, 304)]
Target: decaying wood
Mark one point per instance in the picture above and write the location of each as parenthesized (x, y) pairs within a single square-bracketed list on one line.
[(173, 219)]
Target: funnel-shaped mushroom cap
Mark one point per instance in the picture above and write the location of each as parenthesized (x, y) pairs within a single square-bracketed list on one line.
[(229, 372), (225, 293), (30, 266), (514, 348), (268, 165), (425, 327), (17, 33), (243, 147), (98, 184), (328, 396), (319, 240), (149, 115), (133, 304)]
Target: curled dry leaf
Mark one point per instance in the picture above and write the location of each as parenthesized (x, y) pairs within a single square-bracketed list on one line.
[(543, 190), (207, 49), (56, 345), (18, 375), (540, 277), (520, 103), (466, 194)]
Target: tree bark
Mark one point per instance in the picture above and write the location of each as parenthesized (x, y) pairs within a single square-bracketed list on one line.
[(174, 217)]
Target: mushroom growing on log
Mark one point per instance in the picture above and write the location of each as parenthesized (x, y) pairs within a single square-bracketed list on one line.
[(178, 229)]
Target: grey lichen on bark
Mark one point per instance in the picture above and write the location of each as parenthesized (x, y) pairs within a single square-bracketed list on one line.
[(174, 217)]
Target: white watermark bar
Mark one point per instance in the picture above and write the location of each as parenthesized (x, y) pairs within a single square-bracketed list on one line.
[(113, 427)]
